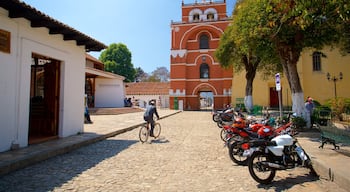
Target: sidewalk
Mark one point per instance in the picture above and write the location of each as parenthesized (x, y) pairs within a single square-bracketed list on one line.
[(328, 164), (333, 165), (103, 126)]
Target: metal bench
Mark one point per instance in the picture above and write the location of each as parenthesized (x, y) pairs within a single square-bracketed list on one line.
[(333, 135)]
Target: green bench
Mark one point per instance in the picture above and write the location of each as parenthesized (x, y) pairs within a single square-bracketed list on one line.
[(333, 135)]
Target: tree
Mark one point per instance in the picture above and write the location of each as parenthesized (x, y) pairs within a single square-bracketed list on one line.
[(117, 59), (161, 74), (242, 50), (141, 76), (292, 25)]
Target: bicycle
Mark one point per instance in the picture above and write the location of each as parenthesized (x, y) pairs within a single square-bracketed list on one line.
[(145, 130)]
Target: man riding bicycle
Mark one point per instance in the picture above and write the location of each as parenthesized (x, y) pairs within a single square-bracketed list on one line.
[(151, 109)]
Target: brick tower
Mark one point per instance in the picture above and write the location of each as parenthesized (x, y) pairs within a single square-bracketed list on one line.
[(197, 80)]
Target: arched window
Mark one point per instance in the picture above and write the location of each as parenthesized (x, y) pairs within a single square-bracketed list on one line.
[(316, 61), (196, 17), (204, 71), (210, 16), (204, 42)]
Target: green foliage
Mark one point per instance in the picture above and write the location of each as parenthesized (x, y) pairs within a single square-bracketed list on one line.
[(117, 59), (338, 106), (299, 122), (283, 28)]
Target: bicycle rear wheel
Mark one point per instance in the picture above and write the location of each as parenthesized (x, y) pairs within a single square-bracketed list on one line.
[(157, 129), (143, 133)]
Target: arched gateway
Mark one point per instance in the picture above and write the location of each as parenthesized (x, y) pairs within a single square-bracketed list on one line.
[(197, 79)]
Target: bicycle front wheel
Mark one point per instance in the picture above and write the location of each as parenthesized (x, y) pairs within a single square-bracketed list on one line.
[(143, 134), (157, 129)]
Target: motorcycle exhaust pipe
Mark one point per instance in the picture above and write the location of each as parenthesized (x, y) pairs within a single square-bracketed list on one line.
[(273, 165)]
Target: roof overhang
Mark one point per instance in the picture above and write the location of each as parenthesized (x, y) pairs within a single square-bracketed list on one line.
[(18, 9), (103, 74)]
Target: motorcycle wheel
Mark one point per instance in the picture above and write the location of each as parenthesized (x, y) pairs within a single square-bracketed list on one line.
[(235, 152), (223, 134), (216, 117), (232, 139), (261, 173), (219, 123)]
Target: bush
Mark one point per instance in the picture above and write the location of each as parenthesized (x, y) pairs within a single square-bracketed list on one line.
[(338, 106), (299, 122)]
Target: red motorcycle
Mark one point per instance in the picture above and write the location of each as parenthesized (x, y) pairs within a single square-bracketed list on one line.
[(239, 149)]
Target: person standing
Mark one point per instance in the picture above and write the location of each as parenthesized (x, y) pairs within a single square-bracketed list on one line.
[(151, 110), (86, 111), (309, 105)]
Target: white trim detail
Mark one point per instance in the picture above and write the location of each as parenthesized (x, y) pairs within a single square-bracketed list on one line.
[(211, 10), (194, 27), (204, 84), (181, 53), (177, 92), (194, 12)]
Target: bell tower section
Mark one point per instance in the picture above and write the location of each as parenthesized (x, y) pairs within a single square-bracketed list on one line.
[(197, 80)]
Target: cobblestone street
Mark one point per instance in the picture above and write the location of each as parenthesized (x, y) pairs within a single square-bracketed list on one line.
[(188, 156)]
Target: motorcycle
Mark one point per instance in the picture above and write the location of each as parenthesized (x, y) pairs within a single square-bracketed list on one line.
[(238, 147), (281, 153), (216, 114)]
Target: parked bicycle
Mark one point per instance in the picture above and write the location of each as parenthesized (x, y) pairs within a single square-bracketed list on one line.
[(145, 131)]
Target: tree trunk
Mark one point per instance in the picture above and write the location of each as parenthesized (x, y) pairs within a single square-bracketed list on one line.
[(248, 99), (251, 66), (289, 58)]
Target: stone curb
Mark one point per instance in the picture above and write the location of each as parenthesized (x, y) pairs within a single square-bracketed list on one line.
[(40, 152)]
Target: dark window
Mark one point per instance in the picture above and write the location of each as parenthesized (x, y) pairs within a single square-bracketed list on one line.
[(316, 61), (204, 42), (210, 16), (204, 71), (196, 17)]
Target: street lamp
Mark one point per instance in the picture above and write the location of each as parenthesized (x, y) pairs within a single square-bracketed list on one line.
[(335, 79)]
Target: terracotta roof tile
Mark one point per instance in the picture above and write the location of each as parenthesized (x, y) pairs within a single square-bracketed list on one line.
[(147, 88)]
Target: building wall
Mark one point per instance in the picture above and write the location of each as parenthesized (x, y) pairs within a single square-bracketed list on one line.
[(314, 83), (162, 101), (109, 92), (15, 80), (186, 56)]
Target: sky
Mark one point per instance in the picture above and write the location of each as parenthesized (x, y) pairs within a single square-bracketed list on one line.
[(142, 25)]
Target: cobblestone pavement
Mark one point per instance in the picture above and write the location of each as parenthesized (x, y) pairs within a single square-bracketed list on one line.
[(188, 156)]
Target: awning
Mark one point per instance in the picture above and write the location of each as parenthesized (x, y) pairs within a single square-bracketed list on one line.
[(98, 73)]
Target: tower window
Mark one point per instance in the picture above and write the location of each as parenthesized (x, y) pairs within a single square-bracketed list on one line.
[(204, 71), (204, 42), (196, 17), (210, 16), (316, 61)]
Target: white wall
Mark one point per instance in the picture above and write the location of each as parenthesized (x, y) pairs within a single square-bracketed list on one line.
[(15, 80), (109, 92), (163, 102)]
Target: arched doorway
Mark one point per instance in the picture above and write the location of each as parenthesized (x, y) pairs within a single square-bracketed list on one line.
[(206, 100), (205, 93)]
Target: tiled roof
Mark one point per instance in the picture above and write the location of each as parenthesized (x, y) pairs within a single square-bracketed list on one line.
[(147, 88), (93, 59)]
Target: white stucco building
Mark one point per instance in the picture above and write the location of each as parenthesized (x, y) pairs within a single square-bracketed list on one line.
[(42, 76), (104, 89)]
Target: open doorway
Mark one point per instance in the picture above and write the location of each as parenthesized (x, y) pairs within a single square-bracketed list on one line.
[(206, 99), (44, 99)]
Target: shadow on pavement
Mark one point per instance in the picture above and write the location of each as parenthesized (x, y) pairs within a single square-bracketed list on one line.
[(160, 140), (288, 182), (62, 168)]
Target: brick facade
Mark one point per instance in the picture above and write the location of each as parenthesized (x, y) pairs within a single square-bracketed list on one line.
[(194, 69)]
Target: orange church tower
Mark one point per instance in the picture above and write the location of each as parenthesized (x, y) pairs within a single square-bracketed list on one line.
[(197, 80)]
